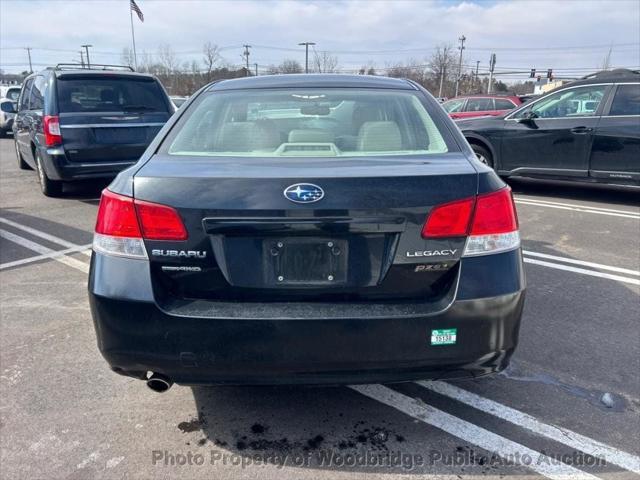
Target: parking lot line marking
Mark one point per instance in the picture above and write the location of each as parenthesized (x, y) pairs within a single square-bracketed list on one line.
[(562, 435), (539, 200), (582, 262), (36, 247), (579, 208), (489, 441), (41, 234), (593, 273), (53, 254)]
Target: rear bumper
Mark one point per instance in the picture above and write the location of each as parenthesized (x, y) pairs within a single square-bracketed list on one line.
[(58, 167), (378, 344)]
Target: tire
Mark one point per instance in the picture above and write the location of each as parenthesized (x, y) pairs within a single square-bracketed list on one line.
[(483, 154), (22, 165), (50, 188)]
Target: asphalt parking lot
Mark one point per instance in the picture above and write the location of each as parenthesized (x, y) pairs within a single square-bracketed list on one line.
[(572, 391)]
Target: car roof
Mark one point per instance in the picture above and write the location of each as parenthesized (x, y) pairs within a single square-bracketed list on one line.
[(485, 95), (607, 76), (99, 73), (312, 80)]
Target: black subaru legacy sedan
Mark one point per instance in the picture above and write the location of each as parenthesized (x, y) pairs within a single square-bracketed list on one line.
[(307, 229)]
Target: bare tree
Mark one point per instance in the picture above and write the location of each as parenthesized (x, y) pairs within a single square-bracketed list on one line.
[(287, 66), (324, 62), (441, 65), (211, 58), (126, 57), (167, 59)]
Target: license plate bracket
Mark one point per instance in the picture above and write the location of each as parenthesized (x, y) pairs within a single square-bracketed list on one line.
[(305, 262)]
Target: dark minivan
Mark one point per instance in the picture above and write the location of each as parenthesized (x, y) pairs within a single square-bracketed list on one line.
[(77, 123), (587, 131)]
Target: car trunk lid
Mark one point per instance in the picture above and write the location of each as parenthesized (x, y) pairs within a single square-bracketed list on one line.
[(362, 240)]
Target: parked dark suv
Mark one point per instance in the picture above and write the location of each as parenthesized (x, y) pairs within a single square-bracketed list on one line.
[(73, 124), (588, 130)]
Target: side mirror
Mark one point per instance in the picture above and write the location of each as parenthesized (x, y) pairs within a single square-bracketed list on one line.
[(8, 107), (528, 118)]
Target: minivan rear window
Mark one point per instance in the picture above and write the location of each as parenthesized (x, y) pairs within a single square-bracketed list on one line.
[(308, 123), (113, 94)]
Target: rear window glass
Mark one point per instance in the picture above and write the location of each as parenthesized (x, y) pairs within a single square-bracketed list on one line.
[(504, 104), (626, 101), (314, 122), (110, 95)]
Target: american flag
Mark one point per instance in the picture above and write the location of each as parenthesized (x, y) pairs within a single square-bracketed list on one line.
[(136, 8)]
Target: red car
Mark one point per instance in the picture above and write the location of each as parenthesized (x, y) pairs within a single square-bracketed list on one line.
[(480, 105)]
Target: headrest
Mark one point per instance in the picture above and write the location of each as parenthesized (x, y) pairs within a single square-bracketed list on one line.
[(311, 135), (379, 137)]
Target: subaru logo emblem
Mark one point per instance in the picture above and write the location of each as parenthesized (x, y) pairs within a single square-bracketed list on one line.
[(303, 193)]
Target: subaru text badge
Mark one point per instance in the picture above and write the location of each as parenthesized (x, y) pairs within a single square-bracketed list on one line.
[(303, 193)]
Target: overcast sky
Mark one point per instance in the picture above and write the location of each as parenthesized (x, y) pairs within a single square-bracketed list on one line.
[(570, 36)]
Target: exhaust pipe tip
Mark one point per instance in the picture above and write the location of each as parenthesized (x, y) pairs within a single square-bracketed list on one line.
[(159, 383)]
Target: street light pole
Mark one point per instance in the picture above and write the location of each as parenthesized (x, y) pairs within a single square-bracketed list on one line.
[(461, 47), (306, 55), (86, 48), (28, 49)]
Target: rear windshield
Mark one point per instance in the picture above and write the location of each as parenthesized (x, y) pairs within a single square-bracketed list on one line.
[(314, 122), (92, 94)]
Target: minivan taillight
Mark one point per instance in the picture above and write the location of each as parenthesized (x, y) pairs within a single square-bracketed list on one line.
[(489, 219), (52, 134), (123, 223)]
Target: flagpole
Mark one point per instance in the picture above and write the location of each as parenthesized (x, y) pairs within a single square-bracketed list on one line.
[(133, 37)]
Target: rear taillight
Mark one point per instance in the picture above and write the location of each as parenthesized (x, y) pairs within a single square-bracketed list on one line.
[(159, 222), (490, 220), (494, 228), (449, 219), (123, 223), (52, 134)]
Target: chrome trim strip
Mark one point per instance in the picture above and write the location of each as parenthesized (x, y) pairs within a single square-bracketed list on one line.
[(112, 125)]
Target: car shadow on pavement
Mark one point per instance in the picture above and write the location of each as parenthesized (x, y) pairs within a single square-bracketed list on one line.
[(611, 195)]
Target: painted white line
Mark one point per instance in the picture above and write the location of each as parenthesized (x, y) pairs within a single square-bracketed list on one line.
[(56, 253), (562, 435), (41, 234), (582, 262), (633, 281), (493, 443), (588, 207), (36, 247), (580, 209)]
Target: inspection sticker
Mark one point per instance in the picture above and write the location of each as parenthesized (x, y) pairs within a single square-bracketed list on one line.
[(447, 336)]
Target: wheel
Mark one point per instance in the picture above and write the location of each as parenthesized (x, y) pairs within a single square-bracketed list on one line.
[(51, 188), (483, 154), (22, 165)]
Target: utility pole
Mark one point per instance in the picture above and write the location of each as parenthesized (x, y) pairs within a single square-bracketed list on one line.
[(82, 58), (256, 66), (461, 48), (246, 57), (306, 55), (477, 67), (86, 48), (443, 72), (492, 65), (28, 49)]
